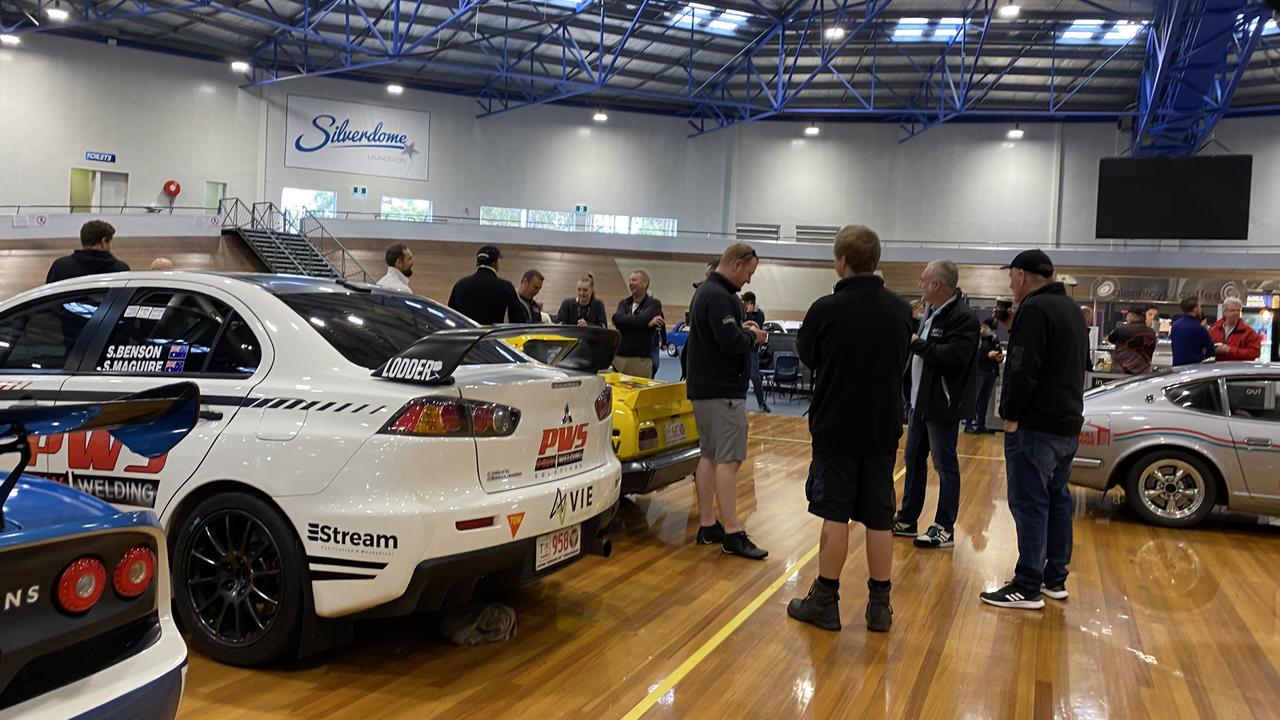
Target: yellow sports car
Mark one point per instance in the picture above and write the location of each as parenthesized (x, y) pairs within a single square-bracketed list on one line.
[(654, 434)]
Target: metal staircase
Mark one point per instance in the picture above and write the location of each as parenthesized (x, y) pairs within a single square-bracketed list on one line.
[(287, 244)]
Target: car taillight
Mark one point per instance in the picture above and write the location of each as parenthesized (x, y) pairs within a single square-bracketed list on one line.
[(453, 418), (648, 438), (81, 584), (604, 403), (134, 572)]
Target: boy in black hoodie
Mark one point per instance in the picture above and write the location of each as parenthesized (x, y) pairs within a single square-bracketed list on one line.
[(855, 339), (93, 258)]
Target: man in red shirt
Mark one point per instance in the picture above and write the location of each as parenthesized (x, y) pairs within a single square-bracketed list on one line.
[(1232, 338)]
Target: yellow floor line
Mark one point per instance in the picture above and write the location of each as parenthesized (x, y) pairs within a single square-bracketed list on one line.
[(722, 634), (809, 442)]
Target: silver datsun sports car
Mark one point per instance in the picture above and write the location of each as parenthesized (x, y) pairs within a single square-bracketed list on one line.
[(1183, 441)]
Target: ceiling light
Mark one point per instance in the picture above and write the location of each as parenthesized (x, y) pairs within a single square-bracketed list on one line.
[(395, 89), (812, 130), (1015, 133), (835, 32), (1009, 11), (600, 116), (9, 39), (240, 66), (57, 14)]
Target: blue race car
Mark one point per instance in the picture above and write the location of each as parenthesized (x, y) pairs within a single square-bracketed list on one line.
[(86, 629), (676, 338)]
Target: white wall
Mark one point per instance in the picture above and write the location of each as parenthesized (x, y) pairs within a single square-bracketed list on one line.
[(175, 118), (164, 118)]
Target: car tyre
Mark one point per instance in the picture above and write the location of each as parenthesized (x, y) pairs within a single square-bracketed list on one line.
[(672, 350), (238, 575), (1171, 488)]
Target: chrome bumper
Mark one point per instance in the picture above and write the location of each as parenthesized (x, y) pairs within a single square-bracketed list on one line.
[(657, 471)]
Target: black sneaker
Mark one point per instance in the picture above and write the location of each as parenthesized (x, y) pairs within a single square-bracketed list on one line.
[(711, 535), (1012, 596), (971, 430), (936, 537), (904, 529), (765, 408), (1056, 591), (739, 544), (820, 608)]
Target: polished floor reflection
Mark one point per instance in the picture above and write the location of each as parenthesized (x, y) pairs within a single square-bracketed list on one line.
[(1160, 624)]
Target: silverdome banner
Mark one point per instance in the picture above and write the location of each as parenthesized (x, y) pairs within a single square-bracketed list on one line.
[(322, 134)]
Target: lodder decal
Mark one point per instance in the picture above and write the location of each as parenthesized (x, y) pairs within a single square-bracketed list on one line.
[(400, 368)]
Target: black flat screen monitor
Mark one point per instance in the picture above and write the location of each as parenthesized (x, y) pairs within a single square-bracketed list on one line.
[(1195, 198)]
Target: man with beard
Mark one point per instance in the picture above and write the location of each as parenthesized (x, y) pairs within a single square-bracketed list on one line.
[(399, 268)]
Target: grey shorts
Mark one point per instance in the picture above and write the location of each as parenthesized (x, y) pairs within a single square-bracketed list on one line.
[(722, 429)]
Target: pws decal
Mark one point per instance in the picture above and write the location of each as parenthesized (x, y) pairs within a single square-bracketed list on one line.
[(88, 456), (560, 447)]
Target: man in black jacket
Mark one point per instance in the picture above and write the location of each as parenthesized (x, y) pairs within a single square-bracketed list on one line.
[(639, 321), (855, 420), (485, 297), (755, 315), (989, 357), (720, 342), (93, 258), (1042, 403), (943, 366)]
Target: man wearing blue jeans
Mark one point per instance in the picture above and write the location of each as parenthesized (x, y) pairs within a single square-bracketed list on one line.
[(1042, 404), (943, 367)]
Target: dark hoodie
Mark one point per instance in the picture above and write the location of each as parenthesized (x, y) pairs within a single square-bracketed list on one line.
[(84, 262)]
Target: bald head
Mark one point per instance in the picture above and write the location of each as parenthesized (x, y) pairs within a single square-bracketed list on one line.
[(162, 263)]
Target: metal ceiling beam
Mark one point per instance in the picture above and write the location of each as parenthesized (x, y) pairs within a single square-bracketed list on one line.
[(27, 16), (1197, 53)]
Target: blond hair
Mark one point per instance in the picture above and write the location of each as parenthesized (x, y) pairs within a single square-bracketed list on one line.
[(735, 253), (859, 246)]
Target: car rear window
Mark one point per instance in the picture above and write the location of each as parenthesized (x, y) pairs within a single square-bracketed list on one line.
[(370, 328)]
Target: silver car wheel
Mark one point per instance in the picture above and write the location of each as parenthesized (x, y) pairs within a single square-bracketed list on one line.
[(1171, 488)]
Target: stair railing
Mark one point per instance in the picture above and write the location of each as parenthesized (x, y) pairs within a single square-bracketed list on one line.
[(333, 251)]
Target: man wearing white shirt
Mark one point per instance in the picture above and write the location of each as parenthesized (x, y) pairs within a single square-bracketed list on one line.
[(399, 269)]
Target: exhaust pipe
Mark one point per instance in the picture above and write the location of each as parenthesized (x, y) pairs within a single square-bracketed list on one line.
[(602, 546)]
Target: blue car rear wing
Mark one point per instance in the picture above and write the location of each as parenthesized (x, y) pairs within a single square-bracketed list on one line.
[(149, 423), (433, 359)]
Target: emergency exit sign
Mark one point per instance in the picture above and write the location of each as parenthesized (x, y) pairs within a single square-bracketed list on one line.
[(581, 209)]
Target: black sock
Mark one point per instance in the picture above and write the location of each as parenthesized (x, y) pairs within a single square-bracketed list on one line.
[(827, 582), (878, 584)]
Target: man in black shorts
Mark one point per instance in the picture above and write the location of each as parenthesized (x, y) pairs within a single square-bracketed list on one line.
[(855, 339)]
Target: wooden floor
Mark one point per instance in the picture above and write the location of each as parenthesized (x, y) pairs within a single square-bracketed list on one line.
[(1160, 624)]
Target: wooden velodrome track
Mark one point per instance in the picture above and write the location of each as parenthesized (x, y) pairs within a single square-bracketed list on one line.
[(1160, 624)]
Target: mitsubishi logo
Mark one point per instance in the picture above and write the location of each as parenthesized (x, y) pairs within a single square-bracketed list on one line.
[(567, 419)]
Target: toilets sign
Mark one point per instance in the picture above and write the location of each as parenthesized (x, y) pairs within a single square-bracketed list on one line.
[(349, 137)]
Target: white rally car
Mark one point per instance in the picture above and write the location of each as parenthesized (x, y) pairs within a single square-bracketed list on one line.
[(361, 453)]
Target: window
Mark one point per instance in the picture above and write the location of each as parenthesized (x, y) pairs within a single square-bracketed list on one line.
[(1196, 396), (653, 226), (709, 19), (601, 223), (370, 328), (296, 201), (173, 332), (237, 351), (1253, 398), (502, 217), (41, 334), (406, 209), (1100, 32), (549, 220)]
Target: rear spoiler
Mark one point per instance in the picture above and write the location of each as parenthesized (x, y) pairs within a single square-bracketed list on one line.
[(150, 423), (433, 359)]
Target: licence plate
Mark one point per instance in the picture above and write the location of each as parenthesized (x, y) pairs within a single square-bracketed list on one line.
[(675, 433), (557, 546)]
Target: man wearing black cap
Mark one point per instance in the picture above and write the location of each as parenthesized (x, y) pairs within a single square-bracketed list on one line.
[(1134, 341), (485, 297), (1042, 403), (756, 315)]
